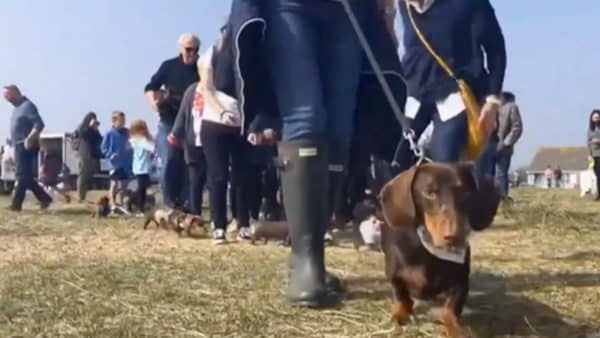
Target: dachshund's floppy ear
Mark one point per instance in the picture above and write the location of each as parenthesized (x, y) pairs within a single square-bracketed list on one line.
[(397, 202), (485, 197)]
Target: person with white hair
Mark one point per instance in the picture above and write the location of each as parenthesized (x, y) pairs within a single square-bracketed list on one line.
[(164, 93)]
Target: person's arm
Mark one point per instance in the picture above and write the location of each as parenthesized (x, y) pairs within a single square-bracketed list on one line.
[(487, 32), (516, 128), (207, 87), (486, 25), (388, 9), (177, 135), (147, 145), (590, 141), (106, 146), (156, 82), (38, 125)]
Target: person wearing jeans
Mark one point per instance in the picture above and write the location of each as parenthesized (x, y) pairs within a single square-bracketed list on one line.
[(26, 125), (308, 62), (186, 133), (433, 96), (500, 148), (164, 93)]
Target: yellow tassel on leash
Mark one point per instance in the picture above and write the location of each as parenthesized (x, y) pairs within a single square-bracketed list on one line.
[(477, 139)]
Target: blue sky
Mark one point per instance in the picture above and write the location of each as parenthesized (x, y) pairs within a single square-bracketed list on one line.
[(73, 56)]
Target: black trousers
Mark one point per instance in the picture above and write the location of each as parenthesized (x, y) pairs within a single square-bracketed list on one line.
[(143, 183), (597, 172), (197, 179), (271, 185), (262, 182), (225, 149)]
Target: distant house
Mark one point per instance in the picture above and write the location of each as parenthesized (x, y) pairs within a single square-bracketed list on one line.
[(572, 160)]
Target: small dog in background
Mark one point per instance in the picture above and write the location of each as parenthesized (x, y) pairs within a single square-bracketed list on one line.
[(277, 231), (174, 220), (101, 207)]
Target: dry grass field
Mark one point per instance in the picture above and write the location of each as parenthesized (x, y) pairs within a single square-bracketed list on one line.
[(536, 273)]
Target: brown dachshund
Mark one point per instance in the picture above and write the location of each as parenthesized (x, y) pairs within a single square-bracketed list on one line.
[(271, 231), (101, 207), (185, 225), (429, 212)]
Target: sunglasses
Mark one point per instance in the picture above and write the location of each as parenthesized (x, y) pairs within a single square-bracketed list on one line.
[(191, 50)]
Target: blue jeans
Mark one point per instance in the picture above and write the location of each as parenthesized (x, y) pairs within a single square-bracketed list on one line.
[(25, 163), (496, 163), (486, 164), (315, 61), (173, 170), (448, 140), (502, 167)]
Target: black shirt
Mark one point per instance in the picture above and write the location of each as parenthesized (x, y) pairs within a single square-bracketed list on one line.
[(176, 77)]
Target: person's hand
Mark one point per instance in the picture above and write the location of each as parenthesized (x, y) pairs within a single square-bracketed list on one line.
[(31, 142), (28, 143), (487, 118), (229, 118), (154, 99), (172, 140), (269, 136), (255, 139), (595, 141)]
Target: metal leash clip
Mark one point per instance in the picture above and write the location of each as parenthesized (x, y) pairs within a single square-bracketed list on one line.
[(417, 150)]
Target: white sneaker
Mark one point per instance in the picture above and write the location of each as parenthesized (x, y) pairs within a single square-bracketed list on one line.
[(219, 237), (328, 237), (245, 234)]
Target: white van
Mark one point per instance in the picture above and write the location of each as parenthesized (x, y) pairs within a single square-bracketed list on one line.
[(8, 168)]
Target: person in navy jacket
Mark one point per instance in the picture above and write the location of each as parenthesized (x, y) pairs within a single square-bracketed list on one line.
[(302, 60), (467, 35)]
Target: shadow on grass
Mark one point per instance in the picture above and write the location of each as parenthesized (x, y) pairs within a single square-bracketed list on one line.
[(498, 307), (372, 288)]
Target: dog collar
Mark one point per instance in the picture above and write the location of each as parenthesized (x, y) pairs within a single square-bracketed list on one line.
[(454, 255)]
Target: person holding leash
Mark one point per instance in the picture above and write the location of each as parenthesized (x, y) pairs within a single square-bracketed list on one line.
[(303, 60), (454, 63)]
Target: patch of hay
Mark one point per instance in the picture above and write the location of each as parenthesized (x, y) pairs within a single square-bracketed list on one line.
[(536, 273)]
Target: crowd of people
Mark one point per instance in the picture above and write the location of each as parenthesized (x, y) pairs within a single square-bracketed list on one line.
[(283, 107)]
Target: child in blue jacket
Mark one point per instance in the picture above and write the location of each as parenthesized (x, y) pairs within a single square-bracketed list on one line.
[(115, 147)]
